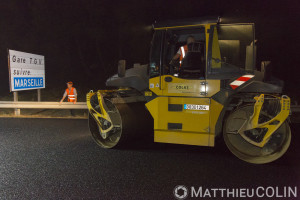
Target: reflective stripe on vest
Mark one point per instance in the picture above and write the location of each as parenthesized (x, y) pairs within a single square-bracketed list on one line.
[(183, 50), (71, 95)]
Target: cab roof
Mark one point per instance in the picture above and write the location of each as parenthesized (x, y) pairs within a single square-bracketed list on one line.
[(186, 22)]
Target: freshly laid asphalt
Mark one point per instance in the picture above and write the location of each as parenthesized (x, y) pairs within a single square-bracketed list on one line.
[(58, 159)]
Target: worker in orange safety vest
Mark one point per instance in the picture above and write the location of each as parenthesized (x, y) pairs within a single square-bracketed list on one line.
[(71, 93), (183, 50)]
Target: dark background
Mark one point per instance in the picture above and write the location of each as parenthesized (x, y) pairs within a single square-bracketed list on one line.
[(82, 41)]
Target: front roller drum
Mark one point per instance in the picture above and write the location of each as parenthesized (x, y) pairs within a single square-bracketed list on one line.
[(131, 121)]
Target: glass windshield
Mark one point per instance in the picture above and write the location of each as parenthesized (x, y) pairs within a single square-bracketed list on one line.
[(232, 50)]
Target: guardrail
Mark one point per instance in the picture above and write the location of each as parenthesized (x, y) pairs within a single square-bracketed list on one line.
[(41, 105), (65, 105)]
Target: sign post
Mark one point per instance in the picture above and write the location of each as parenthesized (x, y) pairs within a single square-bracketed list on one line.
[(17, 110), (39, 95), (26, 72)]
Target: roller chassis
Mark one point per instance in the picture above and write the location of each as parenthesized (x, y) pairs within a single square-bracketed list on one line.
[(240, 103), (248, 131)]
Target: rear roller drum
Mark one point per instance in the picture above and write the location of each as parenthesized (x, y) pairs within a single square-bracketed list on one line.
[(272, 150)]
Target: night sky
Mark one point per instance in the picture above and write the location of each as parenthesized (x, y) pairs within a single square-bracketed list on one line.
[(82, 41)]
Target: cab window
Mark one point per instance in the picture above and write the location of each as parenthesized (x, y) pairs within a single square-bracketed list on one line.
[(231, 50), (184, 53)]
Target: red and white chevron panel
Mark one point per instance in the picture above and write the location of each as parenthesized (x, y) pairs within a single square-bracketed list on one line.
[(238, 82)]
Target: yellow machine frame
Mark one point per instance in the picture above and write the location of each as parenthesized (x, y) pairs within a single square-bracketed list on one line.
[(183, 110)]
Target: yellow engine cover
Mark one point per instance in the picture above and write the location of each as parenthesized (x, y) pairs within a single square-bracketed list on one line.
[(182, 115)]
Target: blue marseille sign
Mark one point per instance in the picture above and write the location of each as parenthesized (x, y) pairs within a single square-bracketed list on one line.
[(28, 82)]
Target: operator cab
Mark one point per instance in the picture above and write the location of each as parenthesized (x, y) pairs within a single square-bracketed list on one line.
[(220, 51)]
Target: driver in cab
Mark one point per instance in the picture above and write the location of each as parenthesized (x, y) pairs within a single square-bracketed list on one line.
[(182, 50)]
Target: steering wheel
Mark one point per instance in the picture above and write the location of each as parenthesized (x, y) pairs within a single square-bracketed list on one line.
[(174, 66)]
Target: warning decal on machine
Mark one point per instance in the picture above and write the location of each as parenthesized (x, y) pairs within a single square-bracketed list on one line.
[(196, 107)]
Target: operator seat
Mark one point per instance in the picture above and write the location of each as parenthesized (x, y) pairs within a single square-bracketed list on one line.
[(193, 64)]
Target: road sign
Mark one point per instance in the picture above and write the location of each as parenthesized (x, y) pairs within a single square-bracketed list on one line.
[(26, 71)]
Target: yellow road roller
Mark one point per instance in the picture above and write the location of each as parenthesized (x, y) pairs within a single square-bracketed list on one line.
[(202, 82)]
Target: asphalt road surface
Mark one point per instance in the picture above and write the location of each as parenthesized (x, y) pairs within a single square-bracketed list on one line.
[(57, 159)]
